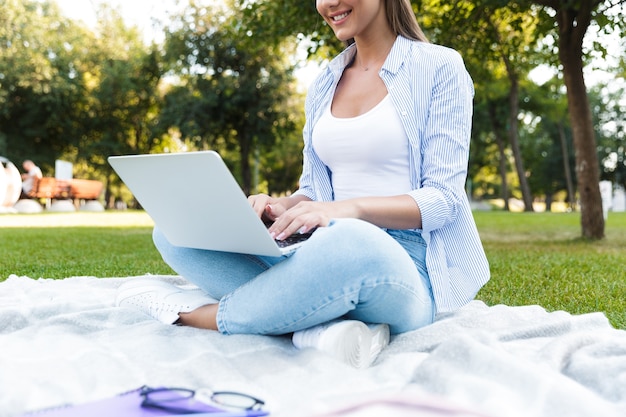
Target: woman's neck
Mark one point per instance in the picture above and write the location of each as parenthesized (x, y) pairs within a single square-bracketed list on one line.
[(371, 55)]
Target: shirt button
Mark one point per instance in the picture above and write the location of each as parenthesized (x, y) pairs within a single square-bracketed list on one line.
[(404, 113)]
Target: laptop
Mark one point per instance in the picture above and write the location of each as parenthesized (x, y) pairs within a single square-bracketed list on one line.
[(193, 198)]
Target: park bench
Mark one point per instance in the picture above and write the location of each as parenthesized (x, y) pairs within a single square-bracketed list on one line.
[(50, 188), (85, 189)]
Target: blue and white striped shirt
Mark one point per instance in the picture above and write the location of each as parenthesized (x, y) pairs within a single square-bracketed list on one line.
[(432, 93)]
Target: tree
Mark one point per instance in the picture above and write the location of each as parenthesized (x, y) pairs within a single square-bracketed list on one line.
[(233, 91), (488, 147), (120, 99), (496, 42), (545, 157), (125, 92), (41, 83), (549, 103), (495, 110), (69, 93), (275, 21), (609, 112), (572, 20)]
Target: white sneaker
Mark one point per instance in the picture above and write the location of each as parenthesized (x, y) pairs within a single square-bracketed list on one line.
[(159, 299), (350, 341), (380, 339)]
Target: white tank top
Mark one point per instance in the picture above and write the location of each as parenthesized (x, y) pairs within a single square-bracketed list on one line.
[(368, 155)]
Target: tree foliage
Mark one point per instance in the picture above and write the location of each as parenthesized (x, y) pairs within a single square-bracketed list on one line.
[(234, 91), (122, 100), (67, 92), (500, 43), (565, 21), (223, 80), (278, 20), (572, 21), (42, 56), (609, 108)]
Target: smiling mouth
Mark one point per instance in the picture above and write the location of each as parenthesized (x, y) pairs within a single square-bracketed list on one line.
[(341, 16)]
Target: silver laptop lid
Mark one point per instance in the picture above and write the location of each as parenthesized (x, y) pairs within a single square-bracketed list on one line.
[(195, 201)]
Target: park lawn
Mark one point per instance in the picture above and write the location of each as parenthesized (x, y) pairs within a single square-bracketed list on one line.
[(536, 258), (79, 251), (540, 258), (60, 245)]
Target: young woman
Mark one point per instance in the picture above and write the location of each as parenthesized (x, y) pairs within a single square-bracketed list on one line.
[(386, 146)]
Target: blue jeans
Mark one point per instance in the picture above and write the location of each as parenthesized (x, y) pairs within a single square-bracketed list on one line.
[(350, 269)]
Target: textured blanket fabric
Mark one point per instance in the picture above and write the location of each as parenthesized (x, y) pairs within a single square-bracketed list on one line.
[(63, 341)]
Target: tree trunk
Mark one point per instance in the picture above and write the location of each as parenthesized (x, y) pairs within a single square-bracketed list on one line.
[(571, 193), (246, 170), (513, 139), (497, 128), (513, 123), (573, 25), (549, 199)]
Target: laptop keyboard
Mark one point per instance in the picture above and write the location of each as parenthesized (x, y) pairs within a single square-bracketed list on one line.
[(295, 238)]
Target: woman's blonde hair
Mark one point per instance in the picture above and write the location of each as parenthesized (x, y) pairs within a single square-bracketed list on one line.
[(401, 20)]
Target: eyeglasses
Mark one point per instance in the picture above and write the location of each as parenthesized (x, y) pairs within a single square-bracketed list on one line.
[(177, 400)]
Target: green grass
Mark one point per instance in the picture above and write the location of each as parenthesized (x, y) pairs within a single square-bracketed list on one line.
[(539, 258), (74, 251), (120, 245), (536, 258)]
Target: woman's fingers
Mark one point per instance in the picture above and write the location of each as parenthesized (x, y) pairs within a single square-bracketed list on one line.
[(302, 218)]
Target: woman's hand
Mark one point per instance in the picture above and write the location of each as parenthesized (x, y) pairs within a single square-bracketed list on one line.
[(266, 207), (298, 214), (288, 214), (301, 218)]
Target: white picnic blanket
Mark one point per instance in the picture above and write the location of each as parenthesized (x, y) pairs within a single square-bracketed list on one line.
[(63, 341)]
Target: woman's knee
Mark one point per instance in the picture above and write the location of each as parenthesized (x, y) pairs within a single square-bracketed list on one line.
[(158, 238), (362, 240), (165, 248)]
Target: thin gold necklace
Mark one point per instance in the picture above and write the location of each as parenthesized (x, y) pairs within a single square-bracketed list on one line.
[(375, 62)]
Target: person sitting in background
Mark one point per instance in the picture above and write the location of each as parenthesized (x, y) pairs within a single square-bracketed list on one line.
[(29, 178)]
